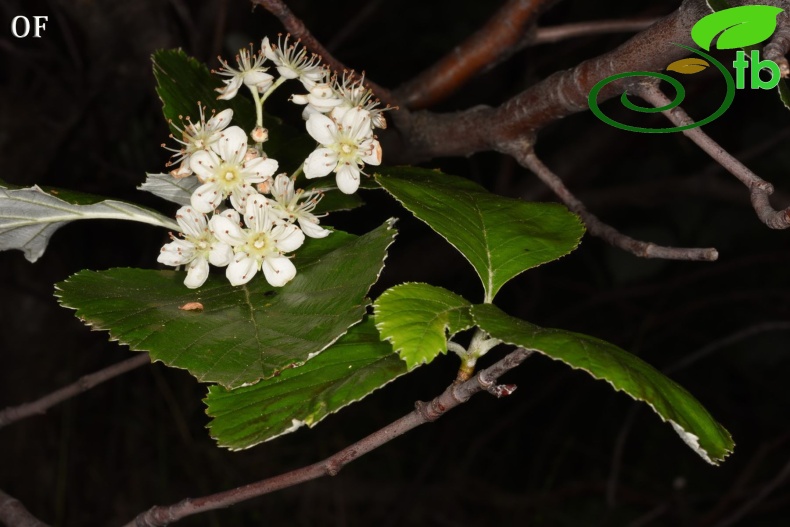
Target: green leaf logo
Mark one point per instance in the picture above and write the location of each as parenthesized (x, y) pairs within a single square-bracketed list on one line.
[(739, 27), (688, 66)]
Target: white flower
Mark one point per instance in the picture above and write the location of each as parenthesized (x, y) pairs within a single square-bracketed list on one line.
[(195, 137), (287, 206), (292, 61), (346, 147), (226, 170), (250, 73), (197, 248), (260, 246)]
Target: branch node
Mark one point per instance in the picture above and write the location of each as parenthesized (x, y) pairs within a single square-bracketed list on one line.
[(502, 390), (333, 467), (487, 384), (427, 411)]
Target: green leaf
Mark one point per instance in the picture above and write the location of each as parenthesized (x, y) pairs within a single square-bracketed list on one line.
[(501, 237), (243, 333), (739, 26), (347, 371), (625, 372), (784, 93), (417, 318), (30, 216)]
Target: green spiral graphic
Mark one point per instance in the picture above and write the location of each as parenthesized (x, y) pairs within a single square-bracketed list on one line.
[(680, 95)]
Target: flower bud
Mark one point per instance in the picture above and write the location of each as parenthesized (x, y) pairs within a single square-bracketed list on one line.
[(260, 134)]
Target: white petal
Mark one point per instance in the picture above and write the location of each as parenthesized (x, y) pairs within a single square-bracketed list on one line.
[(323, 97), (232, 215), (268, 51), (197, 272), (260, 168), (283, 188), (256, 215), (373, 156), (313, 77), (299, 98), (322, 129), (231, 88), (232, 145), (288, 238), (320, 163), (348, 179), (287, 72), (308, 111), (221, 254), (227, 231), (241, 269), (338, 112), (191, 221), (203, 164), (312, 229), (258, 79), (278, 270), (177, 252), (206, 197), (357, 120), (220, 121), (240, 195)]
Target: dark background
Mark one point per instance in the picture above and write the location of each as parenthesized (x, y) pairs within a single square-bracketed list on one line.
[(78, 110)]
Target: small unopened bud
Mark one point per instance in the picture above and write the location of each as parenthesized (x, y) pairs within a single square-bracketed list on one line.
[(264, 187), (378, 121), (182, 171), (260, 134), (252, 153)]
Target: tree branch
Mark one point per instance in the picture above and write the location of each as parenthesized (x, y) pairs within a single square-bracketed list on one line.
[(454, 395), (426, 135), (84, 383), (776, 50), (298, 30), (759, 188), (527, 158), (547, 35), (502, 31), (14, 514)]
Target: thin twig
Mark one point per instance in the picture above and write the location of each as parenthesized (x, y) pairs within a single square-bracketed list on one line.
[(299, 31), (526, 156), (759, 188), (14, 514), (453, 396), (502, 32), (84, 383), (546, 35)]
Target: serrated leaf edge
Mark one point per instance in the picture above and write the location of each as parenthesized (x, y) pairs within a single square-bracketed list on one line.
[(687, 437)]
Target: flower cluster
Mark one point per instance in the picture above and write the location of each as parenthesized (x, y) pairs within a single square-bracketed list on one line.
[(241, 215)]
